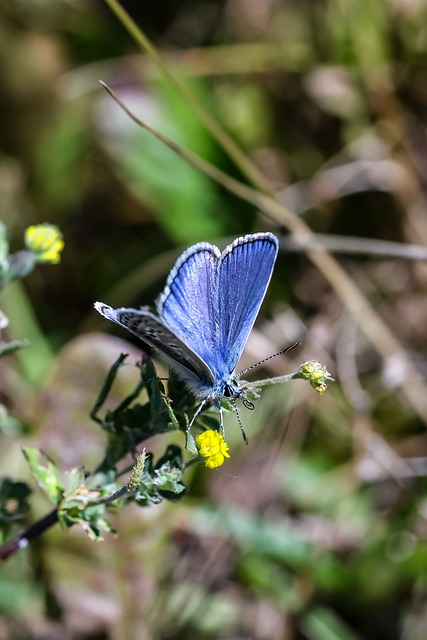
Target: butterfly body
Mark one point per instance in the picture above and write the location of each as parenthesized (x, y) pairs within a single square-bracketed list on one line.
[(206, 312)]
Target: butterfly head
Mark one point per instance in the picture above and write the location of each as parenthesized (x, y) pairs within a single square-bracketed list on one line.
[(234, 392)]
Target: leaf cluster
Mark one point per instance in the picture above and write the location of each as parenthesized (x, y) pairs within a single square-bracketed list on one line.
[(85, 498)]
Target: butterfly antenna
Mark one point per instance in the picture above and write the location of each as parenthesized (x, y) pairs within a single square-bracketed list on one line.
[(279, 353), (236, 409)]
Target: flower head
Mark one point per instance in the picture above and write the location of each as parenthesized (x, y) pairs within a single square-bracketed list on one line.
[(316, 374), (213, 448), (45, 242)]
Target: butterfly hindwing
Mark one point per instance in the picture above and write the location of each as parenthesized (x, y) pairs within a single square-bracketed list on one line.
[(146, 326)]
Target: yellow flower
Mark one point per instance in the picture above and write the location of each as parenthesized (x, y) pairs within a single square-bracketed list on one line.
[(45, 241), (316, 374), (213, 447)]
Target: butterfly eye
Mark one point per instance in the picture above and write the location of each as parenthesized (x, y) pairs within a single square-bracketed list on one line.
[(232, 390), (228, 391)]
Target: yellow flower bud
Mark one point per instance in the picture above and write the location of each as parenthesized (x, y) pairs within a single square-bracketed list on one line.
[(45, 241), (317, 374)]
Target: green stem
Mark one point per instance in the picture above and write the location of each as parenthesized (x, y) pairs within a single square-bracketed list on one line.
[(268, 381)]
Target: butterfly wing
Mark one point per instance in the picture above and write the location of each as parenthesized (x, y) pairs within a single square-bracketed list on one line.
[(146, 326), (188, 304), (245, 271), (206, 310)]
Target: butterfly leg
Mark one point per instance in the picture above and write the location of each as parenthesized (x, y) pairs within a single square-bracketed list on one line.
[(221, 419), (198, 410)]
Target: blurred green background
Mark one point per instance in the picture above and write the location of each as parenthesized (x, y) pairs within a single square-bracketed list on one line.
[(317, 529)]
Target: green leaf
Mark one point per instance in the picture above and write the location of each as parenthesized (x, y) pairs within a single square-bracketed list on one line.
[(106, 387), (174, 423), (163, 481), (86, 505), (161, 414), (190, 444), (169, 481), (324, 624), (45, 473), (168, 473)]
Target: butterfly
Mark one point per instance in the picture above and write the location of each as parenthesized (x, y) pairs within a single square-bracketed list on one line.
[(205, 314)]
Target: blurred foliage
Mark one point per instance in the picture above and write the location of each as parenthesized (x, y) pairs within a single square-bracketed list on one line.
[(14, 505), (317, 530)]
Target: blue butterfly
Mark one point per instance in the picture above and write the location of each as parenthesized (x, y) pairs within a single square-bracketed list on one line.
[(205, 314)]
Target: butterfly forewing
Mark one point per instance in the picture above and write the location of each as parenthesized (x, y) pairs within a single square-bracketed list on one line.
[(188, 305), (244, 274)]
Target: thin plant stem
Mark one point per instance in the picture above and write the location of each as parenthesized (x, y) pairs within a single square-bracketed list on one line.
[(22, 540), (246, 166)]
